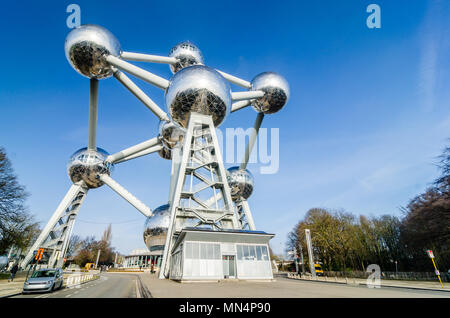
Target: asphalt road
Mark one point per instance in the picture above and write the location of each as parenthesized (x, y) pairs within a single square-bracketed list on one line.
[(107, 286)]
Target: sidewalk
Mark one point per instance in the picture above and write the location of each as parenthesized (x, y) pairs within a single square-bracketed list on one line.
[(11, 288), (425, 285), (281, 287)]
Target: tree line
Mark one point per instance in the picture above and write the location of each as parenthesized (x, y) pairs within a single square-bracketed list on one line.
[(81, 251), (343, 241)]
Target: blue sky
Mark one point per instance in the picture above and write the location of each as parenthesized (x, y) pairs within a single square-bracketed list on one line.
[(369, 109)]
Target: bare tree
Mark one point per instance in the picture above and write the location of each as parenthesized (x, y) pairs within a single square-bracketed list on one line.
[(17, 227)]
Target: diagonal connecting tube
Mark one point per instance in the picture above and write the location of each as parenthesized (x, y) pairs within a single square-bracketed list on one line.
[(235, 80), (241, 104), (138, 72), (235, 96), (142, 153), (133, 150), (141, 207), (138, 57), (136, 91), (252, 139)]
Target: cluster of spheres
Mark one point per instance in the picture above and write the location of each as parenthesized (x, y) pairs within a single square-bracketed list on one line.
[(193, 87)]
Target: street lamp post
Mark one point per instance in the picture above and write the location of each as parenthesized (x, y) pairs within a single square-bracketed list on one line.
[(310, 253), (396, 270)]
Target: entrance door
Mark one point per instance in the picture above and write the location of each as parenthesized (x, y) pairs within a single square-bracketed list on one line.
[(229, 266)]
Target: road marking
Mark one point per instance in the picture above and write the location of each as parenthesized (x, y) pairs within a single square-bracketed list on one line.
[(68, 295), (138, 294)]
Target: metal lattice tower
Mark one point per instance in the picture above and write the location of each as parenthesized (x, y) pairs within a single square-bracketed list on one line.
[(201, 196)]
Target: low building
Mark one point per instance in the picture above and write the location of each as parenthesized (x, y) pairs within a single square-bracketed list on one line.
[(204, 254), (143, 258)]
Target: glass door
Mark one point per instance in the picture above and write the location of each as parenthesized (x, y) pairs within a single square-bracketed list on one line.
[(229, 266)]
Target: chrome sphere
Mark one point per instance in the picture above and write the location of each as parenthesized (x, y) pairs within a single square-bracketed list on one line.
[(276, 90), (87, 164), (170, 133), (240, 182), (198, 89), (86, 47), (155, 228), (165, 153), (187, 54)]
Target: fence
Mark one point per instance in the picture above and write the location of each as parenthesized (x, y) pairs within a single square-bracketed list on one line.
[(415, 276), (77, 279)]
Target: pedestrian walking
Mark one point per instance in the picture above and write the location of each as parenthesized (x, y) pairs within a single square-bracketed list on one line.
[(13, 271)]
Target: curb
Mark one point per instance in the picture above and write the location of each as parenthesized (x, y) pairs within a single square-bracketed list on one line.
[(365, 285), (11, 295)]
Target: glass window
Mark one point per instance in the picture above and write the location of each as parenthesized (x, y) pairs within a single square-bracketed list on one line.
[(195, 250), (258, 253), (203, 250), (210, 251), (43, 273), (239, 252), (246, 251), (188, 249), (216, 251), (252, 252), (264, 253)]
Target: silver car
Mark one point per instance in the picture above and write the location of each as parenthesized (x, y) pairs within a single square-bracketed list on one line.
[(44, 280)]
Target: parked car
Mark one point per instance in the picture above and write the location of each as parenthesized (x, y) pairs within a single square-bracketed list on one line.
[(44, 280)]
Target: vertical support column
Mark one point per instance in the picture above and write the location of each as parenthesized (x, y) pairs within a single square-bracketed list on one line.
[(93, 106)]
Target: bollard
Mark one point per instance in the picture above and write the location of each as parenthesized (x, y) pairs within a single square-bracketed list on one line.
[(346, 280), (326, 278), (335, 278)]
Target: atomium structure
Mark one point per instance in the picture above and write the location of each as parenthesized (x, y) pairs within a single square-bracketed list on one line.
[(198, 99)]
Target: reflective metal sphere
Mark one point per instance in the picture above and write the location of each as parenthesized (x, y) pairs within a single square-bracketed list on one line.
[(155, 228), (85, 48), (276, 90), (187, 54), (171, 133), (87, 164), (240, 182), (165, 153), (198, 89)]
